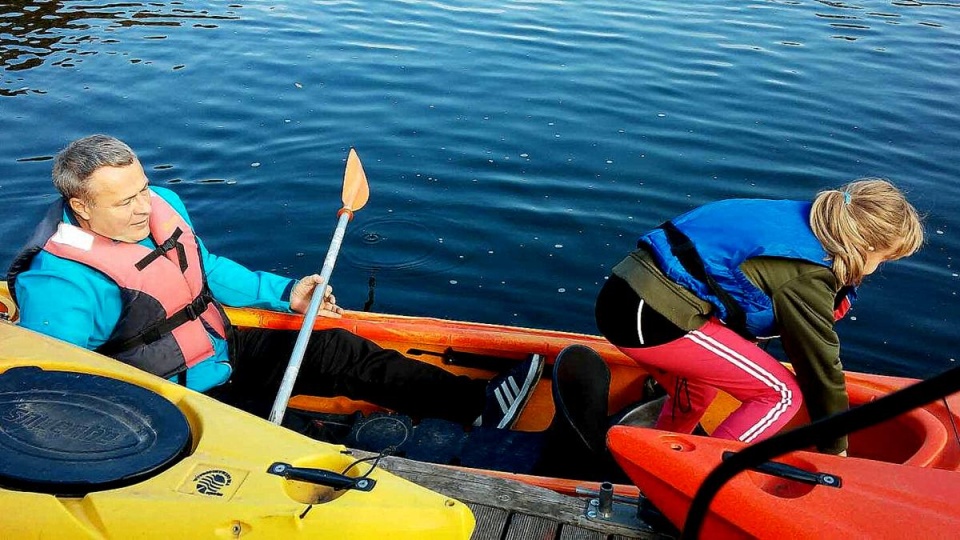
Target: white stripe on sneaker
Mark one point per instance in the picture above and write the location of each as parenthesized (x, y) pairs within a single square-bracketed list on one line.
[(510, 393), (516, 395), (501, 400)]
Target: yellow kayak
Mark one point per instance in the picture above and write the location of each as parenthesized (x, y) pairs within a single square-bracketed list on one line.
[(91, 448)]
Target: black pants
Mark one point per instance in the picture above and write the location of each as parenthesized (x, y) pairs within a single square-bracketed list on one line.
[(619, 314), (340, 363)]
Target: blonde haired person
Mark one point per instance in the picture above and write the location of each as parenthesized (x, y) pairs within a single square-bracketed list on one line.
[(691, 302)]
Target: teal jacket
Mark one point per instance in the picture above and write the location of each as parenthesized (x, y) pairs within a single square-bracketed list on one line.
[(77, 304)]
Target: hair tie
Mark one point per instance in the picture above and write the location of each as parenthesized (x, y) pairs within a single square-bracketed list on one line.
[(846, 197)]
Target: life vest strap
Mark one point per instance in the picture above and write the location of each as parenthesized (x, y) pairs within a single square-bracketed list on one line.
[(172, 243), (190, 312), (685, 252)]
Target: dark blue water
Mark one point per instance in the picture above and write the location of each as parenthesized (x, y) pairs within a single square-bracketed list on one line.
[(514, 149)]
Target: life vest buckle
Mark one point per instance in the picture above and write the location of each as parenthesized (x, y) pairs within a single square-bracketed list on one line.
[(196, 308)]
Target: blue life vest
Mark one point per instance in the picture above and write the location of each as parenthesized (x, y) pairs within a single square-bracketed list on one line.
[(724, 234)]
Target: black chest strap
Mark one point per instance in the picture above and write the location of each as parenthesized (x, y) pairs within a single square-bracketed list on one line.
[(190, 312), (172, 243), (685, 252)]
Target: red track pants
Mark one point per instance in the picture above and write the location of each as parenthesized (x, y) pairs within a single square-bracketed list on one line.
[(715, 357)]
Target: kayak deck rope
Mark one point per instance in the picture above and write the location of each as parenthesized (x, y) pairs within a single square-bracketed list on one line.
[(371, 285), (376, 460), (680, 387)]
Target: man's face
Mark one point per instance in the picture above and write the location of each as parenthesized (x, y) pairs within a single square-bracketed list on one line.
[(120, 204)]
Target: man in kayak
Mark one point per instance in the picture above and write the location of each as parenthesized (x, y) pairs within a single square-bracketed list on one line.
[(115, 267), (692, 300)]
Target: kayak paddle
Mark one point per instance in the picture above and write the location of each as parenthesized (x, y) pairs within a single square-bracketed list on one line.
[(355, 195)]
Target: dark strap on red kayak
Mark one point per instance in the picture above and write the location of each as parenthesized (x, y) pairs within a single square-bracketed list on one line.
[(820, 432)]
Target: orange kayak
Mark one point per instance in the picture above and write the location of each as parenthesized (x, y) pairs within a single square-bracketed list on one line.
[(871, 499), (921, 438)]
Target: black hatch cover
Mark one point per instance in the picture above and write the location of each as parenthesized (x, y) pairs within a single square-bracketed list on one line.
[(69, 433)]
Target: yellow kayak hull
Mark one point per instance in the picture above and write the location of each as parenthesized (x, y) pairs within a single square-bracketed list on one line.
[(238, 446)]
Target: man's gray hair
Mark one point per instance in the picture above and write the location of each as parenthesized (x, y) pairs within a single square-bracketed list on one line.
[(74, 164)]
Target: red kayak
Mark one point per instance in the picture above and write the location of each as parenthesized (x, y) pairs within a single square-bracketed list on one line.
[(863, 498)]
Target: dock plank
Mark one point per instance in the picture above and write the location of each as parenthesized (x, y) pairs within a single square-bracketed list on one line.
[(527, 527), (491, 522), (570, 532), (508, 509)]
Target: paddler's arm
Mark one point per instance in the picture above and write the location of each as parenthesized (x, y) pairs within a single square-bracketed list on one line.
[(233, 284), (804, 310)]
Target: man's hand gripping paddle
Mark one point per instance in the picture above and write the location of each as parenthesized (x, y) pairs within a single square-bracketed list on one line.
[(355, 195)]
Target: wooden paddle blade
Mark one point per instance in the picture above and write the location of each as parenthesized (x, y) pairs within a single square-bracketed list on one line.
[(355, 188)]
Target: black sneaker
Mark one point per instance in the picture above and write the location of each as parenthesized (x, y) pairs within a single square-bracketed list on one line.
[(507, 394)]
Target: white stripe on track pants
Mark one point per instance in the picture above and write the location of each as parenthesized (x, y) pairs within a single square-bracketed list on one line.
[(715, 357)]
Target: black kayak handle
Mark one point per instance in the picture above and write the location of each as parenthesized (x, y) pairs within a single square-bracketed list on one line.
[(790, 472), (453, 357), (321, 477)]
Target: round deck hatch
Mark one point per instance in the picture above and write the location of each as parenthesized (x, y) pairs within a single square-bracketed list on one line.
[(69, 433)]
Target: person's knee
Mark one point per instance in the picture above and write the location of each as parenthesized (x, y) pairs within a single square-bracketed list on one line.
[(797, 395), (339, 338), (784, 396), (340, 345), (791, 396)]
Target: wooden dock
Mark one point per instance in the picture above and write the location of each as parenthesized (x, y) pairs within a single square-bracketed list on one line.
[(506, 509)]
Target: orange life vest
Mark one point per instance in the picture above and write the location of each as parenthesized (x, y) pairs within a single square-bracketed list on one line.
[(167, 308)]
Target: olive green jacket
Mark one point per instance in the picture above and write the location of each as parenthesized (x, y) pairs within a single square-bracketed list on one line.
[(803, 296)]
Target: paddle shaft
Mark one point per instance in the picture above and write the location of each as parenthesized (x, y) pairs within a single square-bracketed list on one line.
[(293, 368)]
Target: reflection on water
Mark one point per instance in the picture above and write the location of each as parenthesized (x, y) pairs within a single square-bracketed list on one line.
[(62, 33)]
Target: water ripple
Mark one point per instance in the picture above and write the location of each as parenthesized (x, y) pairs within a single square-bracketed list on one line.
[(398, 245)]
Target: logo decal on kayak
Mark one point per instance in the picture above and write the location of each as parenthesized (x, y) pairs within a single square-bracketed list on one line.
[(213, 481)]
